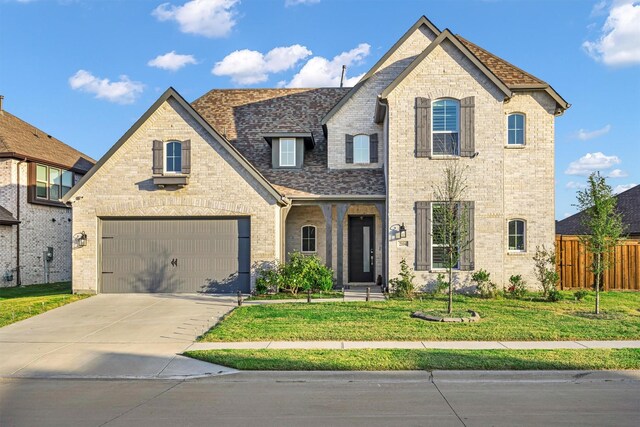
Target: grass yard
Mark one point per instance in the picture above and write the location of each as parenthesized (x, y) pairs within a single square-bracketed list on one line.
[(20, 303), (374, 360), (502, 320)]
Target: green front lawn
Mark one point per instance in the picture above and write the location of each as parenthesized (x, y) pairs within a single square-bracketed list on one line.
[(502, 320), (20, 303), (376, 360)]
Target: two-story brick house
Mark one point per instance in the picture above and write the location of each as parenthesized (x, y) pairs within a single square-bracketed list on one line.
[(36, 171), (194, 197)]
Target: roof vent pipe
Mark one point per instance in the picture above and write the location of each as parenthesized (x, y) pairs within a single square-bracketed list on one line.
[(1, 99), (344, 69)]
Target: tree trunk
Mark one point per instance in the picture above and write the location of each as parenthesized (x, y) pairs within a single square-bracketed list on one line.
[(450, 305), (598, 283)]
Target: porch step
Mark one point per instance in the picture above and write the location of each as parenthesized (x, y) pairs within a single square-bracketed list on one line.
[(360, 293)]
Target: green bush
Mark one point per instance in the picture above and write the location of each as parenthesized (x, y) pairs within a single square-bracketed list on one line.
[(517, 287), (268, 277), (554, 295), (441, 284), (403, 286), (545, 269), (580, 294), (485, 287), (305, 273)]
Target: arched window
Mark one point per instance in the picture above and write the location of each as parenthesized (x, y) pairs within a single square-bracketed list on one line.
[(517, 235), (445, 127), (308, 239), (361, 149), (173, 157), (515, 129)]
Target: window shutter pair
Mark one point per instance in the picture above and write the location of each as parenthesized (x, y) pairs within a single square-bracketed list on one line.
[(373, 148), (466, 129), (423, 237), (158, 157)]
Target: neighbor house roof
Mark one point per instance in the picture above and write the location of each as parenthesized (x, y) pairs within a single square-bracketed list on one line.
[(628, 206), (6, 218), (19, 139), (246, 116)]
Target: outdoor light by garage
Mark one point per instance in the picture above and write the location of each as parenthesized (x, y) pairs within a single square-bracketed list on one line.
[(81, 239), (403, 231)]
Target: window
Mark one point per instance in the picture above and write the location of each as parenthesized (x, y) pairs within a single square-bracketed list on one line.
[(287, 152), (173, 157), (52, 183), (309, 238), (516, 235), (445, 127), (515, 129), (361, 149), (440, 236)]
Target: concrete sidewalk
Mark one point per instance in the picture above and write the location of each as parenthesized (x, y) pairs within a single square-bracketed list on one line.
[(419, 345)]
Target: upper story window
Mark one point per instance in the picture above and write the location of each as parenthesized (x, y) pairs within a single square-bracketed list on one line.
[(308, 238), (516, 235), (173, 157), (287, 151), (361, 149), (52, 183), (515, 129), (445, 127)]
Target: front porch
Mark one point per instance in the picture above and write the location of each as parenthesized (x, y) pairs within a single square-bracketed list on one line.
[(349, 236)]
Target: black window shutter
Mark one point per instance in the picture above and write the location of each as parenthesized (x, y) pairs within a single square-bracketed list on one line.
[(467, 133), (186, 157), (423, 236), (373, 148), (348, 140), (423, 127), (157, 157), (467, 255)]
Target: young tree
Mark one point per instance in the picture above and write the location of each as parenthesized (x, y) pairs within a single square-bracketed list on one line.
[(603, 225), (450, 219)]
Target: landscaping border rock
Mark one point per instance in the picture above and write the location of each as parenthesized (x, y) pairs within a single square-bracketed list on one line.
[(475, 317)]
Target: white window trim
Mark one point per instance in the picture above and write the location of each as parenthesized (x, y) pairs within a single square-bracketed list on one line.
[(164, 157), (315, 239), (368, 159), (439, 246), (281, 152), (524, 130), (449, 132), (524, 236)]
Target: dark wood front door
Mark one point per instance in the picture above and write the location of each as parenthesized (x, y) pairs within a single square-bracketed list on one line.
[(361, 248)]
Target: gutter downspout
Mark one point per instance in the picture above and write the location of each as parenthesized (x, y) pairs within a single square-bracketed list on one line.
[(18, 277)]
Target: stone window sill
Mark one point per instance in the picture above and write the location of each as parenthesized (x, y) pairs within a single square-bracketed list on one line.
[(178, 180), (517, 253), (515, 147)]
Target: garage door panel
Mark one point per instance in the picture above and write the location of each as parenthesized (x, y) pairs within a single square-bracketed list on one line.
[(175, 255)]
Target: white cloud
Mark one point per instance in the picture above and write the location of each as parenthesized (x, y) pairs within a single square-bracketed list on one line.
[(248, 67), (585, 135), (288, 3), (573, 185), (209, 18), (619, 42), (320, 72), (591, 162), (617, 173), (172, 61), (124, 91), (599, 8), (623, 187)]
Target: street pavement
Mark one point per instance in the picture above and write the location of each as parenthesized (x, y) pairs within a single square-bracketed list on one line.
[(415, 398)]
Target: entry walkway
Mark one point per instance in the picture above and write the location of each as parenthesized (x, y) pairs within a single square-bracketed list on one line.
[(420, 345)]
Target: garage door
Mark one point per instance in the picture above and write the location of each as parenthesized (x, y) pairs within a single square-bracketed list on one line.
[(175, 255)]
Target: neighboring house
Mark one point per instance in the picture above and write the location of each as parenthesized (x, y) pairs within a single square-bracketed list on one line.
[(195, 197), (628, 207), (36, 171)]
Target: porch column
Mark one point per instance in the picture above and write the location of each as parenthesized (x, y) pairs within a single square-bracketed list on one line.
[(341, 210), (284, 212), (327, 211), (385, 239)]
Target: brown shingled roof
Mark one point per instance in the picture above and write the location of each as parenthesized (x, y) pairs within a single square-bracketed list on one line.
[(508, 73), (245, 115), (19, 139)]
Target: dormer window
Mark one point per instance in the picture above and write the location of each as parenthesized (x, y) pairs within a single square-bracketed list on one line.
[(173, 157), (361, 149), (288, 152)]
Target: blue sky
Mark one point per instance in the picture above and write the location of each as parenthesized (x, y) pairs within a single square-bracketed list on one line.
[(84, 71)]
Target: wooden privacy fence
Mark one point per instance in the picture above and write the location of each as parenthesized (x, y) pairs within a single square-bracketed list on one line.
[(573, 264)]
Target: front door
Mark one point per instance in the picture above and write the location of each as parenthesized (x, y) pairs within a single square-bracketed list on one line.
[(361, 248)]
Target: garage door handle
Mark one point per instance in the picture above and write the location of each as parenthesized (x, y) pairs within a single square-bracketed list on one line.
[(107, 272), (174, 262)]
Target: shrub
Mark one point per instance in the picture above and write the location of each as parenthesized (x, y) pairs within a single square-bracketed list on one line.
[(545, 268), (440, 285), (517, 287), (580, 294), (301, 273), (267, 281), (403, 286), (485, 287), (554, 295)]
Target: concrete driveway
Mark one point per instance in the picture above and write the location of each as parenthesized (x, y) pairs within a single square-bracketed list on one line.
[(113, 336)]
